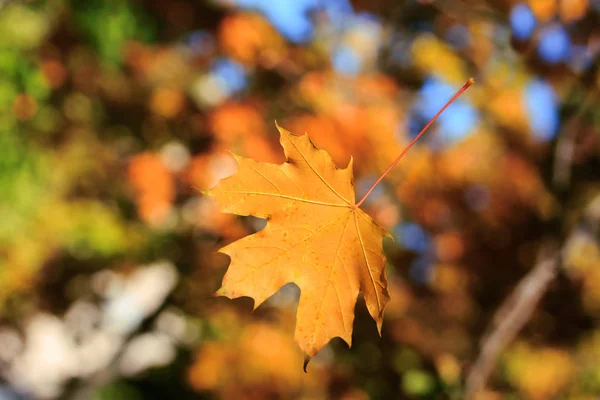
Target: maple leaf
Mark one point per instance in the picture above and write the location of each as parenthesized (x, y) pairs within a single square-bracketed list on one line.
[(315, 237)]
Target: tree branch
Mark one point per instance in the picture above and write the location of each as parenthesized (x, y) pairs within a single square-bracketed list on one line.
[(513, 315)]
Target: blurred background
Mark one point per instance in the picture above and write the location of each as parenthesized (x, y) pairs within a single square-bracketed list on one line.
[(113, 114)]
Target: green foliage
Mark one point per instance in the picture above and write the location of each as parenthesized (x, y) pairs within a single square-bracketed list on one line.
[(110, 24)]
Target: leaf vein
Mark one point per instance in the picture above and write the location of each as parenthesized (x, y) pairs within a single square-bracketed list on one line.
[(284, 197), (319, 175), (362, 246), (266, 178)]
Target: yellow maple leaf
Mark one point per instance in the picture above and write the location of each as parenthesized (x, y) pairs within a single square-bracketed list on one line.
[(315, 237)]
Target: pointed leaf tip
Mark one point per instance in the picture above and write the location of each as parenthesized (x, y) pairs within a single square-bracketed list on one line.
[(205, 192), (350, 164), (280, 128), (306, 361), (380, 325), (283, 131)]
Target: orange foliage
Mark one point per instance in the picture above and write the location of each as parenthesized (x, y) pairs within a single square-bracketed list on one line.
[(198, 172), (153, 186), (231, 121), (449, 246), (416, 175), (243, 367), (138, 56), (167, 102), (250, 39), (473, 160), (508, 108), (241, 128), (473, 199), (357, 117), (572, 10), (203, 172), (324, 132), (544, 10), (435, 211), (325, 91), (523, 183)]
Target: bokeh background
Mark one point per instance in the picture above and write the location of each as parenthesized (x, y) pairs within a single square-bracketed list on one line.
[(115, 114)]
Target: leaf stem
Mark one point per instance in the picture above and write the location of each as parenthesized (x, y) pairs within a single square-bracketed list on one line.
[(456, 95)]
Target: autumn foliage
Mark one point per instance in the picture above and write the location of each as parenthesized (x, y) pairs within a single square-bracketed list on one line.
[(118, 121), (315, 237)]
